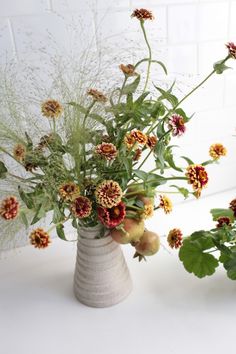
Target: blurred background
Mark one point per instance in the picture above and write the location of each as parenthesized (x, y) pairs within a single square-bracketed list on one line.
[(188, 36)]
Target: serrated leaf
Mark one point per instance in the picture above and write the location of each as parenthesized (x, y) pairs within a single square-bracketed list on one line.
[(195, 260), (3, 170)]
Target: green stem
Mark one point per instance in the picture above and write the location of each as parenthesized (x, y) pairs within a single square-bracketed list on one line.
[(143, 162), (59, 223), (189, 94), (153, 180), (149, 52), (121, 90)]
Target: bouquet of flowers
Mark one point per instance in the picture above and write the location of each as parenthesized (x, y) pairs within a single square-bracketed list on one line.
[(88, 168)]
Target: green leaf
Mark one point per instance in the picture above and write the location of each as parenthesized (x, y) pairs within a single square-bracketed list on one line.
[(58, 215), (169, 158), (208, 162), (230, 266), (185, 192), (40, 213), (3, 170), (26, 198), (24, 219), (98, 118), (151, 179), (131, 88), (166, 95), (141, 98), (190, 162), (195, 260), (60, 232), (220, 67), (216, 213), (78, 107), (152, 61)]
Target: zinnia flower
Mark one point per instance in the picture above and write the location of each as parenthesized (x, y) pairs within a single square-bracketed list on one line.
[(112, 217), (68, 191), (81, 207), (39, 238), (176, 124), (19, 152), (232, 206), (175, 238), (108, 194), (51, 109), (129, 141), (197, 176), (139, 136), (222, 221), (128, 70), (107, 150), (217, 150), (148, 211), (143, 14), (232, 49), (165, 204), (9, 208), (151, 141), (97, 95)]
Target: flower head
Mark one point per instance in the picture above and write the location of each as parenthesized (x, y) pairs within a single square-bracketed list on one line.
[(217, 150), (112, 217), (165, 204), (142, 14), (19, 152), (81, 207), (197, 176), (106, 150), (232, 206), (39, 238), (222, 221), (9, 208), (129, 141), (176, 124), (97, 95), (148, 211), (151, 141), (175, 238), (139, 136), (51, 109), (128, 70), (232, 49), (137, 154), (108, 194), (45, 141), (68, 191)]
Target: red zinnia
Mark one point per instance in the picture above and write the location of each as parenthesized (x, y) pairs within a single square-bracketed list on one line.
[(9, 208), (81, 207), (143, 14), (176, 124), (112, 217), (232, 49)]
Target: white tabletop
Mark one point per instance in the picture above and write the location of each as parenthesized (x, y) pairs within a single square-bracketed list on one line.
[(169, 310)]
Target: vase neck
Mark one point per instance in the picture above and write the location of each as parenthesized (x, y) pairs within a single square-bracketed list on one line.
[(93, 232)]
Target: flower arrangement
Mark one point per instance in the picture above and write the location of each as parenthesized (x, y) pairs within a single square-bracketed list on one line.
[(89, 166)]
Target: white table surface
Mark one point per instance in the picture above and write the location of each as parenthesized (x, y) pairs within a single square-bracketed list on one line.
[(169, 310)]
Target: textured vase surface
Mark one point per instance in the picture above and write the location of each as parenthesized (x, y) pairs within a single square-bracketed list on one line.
[(101, 277)]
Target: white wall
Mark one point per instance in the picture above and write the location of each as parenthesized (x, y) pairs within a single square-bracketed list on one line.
[(188, 35)]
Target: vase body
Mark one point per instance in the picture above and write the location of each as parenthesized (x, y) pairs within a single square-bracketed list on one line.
[(101, 277)]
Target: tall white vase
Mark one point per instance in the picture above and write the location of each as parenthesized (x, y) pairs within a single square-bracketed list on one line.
[(101, 277)]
